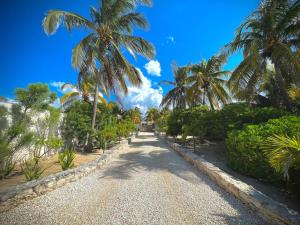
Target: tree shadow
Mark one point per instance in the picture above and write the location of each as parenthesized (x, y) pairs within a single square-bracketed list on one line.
[(155, 160), (158, 157), (235, 220)]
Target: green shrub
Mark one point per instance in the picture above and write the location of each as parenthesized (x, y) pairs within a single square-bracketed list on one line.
[(180, 118), (66, 159), (245, 147), (107, 135), (77, 124), (162, 121), (124, 128), (214, 125), (7, 166), (54, 143), (31, 168)]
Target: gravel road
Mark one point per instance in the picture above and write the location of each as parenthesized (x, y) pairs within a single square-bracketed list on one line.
[(146, 184)]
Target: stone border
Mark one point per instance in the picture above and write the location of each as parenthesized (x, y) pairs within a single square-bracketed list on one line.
[(23, 192), (271, 210)]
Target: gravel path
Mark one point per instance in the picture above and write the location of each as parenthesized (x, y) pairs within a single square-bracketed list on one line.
[(146, 184)]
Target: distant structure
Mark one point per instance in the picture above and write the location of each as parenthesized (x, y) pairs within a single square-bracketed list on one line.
[(147, 126)]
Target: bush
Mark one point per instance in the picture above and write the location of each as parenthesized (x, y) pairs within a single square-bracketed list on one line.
[(245, 147), (77, 124), (180, 118), (162, 121), (107, 135), (7, 166), (31, 168), (124, 128), (214, 125), (66, 159)]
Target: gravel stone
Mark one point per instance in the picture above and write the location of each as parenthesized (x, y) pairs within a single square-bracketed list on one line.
[(146, 184)]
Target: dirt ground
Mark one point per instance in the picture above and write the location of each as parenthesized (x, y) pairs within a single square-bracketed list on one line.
[(51, 166)]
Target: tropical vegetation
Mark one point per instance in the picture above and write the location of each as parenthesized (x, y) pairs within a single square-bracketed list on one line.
[(100, 55), (253, 109)]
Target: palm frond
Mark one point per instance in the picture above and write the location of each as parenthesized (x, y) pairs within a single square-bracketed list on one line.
[(55, 18), (69, 96)]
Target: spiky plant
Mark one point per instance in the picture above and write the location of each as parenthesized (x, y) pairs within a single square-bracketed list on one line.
[(66, 159)]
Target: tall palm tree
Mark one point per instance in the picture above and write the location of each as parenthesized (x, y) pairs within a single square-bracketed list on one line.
[(269, 35), (152, 115), (84, 91), (101, 51), (209, 80), (176, 97)]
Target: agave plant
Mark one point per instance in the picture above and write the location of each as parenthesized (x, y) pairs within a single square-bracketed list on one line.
[(66, 159), (110, 32), (283, 153)]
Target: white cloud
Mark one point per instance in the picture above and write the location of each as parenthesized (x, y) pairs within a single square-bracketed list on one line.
[(143, 97), (59, 84), (171, 39), (153, 68), (56, 103)]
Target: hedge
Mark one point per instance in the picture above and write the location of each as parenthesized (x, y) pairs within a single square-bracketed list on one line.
[(214, 125), (244, 147)]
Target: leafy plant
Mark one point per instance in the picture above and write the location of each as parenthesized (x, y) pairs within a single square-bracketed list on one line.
[(177, 96), (36, 96), (207, 82), (283, 153), (268, 36), (215, 124), (11, 140), (114, 29), (7, 166), (107, 135), (54, 143), (66, 159), (31, 168), (245, 147)]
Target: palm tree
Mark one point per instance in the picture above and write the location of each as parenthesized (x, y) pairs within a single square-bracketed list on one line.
[(101, 51), (152, 115), (208, 80), (283, 153), (269, 36), (84, 91), (176, 97)]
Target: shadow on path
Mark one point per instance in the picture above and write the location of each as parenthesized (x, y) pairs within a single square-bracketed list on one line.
[(156, 156)]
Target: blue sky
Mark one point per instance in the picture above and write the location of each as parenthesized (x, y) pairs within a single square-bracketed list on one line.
[(182, 32)]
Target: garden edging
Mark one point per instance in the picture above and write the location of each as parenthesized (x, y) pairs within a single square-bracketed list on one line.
[(23, 192), (272, 211)]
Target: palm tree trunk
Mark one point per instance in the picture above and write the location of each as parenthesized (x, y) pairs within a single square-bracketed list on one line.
[(282, 88), (95, 103)]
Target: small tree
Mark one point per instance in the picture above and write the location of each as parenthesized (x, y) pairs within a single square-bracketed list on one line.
[(36, 96), (107, 135)]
